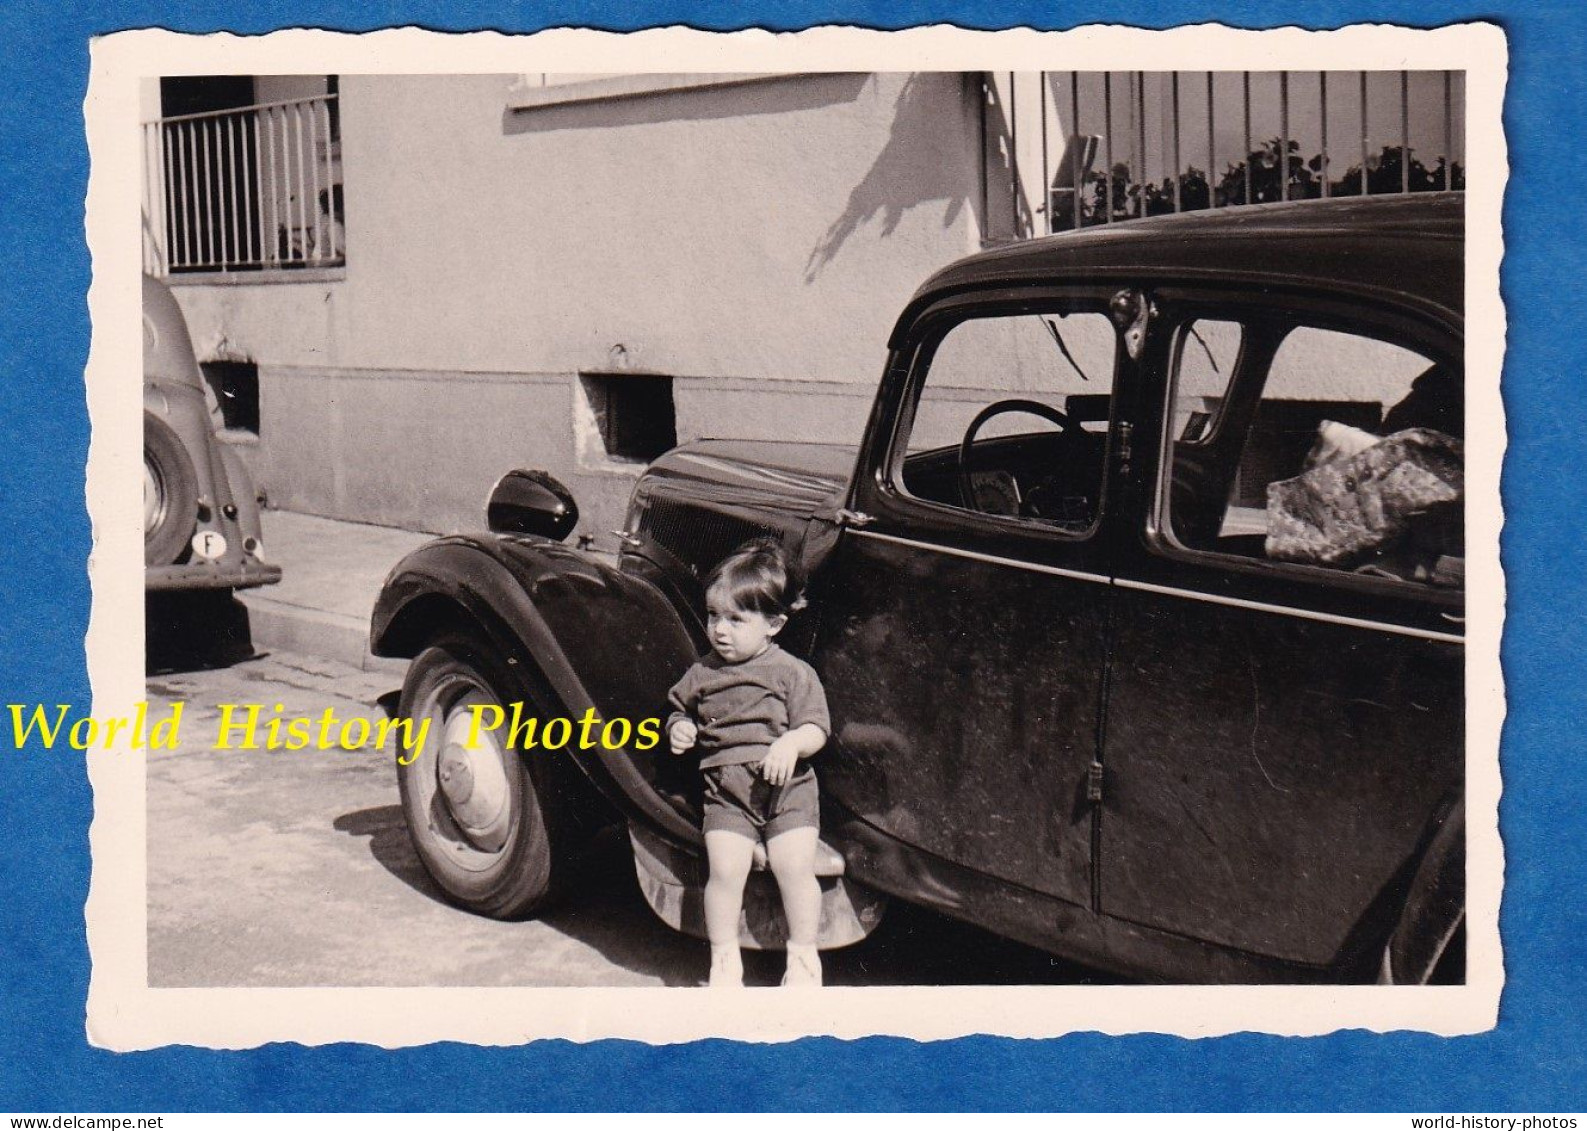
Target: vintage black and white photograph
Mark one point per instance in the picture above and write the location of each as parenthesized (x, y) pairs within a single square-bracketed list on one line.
[(950, 550)]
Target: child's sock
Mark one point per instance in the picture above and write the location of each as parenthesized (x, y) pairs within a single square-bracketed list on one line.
[(727, 966), (804, 966)]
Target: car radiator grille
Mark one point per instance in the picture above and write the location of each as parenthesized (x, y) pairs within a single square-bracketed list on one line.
[(697, 535)]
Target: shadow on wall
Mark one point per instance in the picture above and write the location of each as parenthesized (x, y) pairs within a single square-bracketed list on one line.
[(690, 104), (1003, 197), (922, 162)]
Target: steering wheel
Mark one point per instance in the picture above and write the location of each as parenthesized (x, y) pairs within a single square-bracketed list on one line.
[(998, 408)]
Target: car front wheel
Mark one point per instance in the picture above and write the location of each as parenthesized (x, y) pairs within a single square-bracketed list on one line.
[(479, 815)]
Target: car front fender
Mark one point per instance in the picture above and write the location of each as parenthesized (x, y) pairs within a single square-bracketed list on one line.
[(601, 639)]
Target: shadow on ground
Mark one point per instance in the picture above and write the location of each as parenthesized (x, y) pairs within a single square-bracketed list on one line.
[(603, 909), (387, 834), (195, 630)]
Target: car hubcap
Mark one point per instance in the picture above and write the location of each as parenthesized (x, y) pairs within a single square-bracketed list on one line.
[(153, 498), (474, 782)]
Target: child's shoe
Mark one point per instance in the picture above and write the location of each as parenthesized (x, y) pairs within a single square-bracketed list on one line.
[(804, 967), (727, 968)]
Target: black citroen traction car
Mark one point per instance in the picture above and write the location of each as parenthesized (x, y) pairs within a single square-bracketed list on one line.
[(1139, 609)]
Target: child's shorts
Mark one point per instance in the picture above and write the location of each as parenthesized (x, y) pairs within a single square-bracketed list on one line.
[(738, 799)]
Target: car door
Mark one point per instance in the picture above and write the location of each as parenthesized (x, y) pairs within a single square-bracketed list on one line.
[(964, 615), (1285, 712)]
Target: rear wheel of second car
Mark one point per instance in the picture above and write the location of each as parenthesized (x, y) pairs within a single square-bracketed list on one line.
[(483, 819), (170, 493)]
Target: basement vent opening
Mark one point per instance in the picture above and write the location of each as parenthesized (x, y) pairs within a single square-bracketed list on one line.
[(633, 415), (236, 388)]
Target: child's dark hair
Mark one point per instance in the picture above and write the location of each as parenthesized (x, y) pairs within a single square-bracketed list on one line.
[(758, 577)]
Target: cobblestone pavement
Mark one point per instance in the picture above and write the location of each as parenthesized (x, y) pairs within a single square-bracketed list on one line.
[(293, 868)]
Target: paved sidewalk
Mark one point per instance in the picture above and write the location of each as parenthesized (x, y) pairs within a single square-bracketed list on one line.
[(331, 573)]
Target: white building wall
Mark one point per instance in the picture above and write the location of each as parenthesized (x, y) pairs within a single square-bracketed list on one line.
[(746, 240), (754, 242)]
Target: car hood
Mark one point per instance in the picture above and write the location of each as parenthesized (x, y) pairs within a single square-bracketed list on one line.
[(802, 478)]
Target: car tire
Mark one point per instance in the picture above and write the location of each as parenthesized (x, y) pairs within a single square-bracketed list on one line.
[(170, 493), (484, 822), (1451, 967)]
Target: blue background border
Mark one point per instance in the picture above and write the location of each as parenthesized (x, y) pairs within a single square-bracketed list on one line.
[(1536, 1060)]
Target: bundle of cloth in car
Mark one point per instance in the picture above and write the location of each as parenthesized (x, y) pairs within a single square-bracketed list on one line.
[(1383, 504)]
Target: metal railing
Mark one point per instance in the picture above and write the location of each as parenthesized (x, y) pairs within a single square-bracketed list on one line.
[(251, 189), (1174, 141)]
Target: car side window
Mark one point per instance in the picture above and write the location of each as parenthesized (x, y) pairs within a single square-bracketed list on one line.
[(1011, 418), (1344, 452), (1208, 349)]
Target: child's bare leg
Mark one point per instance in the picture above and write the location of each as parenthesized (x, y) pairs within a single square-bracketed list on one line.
[(793, 861), (729, 854), (792, 855)]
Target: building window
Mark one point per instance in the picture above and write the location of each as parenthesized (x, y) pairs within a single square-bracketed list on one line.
[(243, 173), (624, 418), (537, 90)]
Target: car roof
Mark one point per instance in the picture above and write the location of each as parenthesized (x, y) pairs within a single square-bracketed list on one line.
[(167, 346), (1411, 246)]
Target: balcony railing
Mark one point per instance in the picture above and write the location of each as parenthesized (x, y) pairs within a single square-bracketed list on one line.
[(1069, 149), (252, 189)]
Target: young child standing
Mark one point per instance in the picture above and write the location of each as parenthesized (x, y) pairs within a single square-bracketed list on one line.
[(756, 713)]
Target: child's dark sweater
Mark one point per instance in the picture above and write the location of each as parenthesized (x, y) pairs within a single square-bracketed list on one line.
[(740, 708)]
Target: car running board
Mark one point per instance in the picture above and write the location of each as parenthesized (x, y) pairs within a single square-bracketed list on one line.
[(673, 882)]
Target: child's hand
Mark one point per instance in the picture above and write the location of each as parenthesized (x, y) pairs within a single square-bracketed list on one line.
[(781, 759), (683, 734)]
